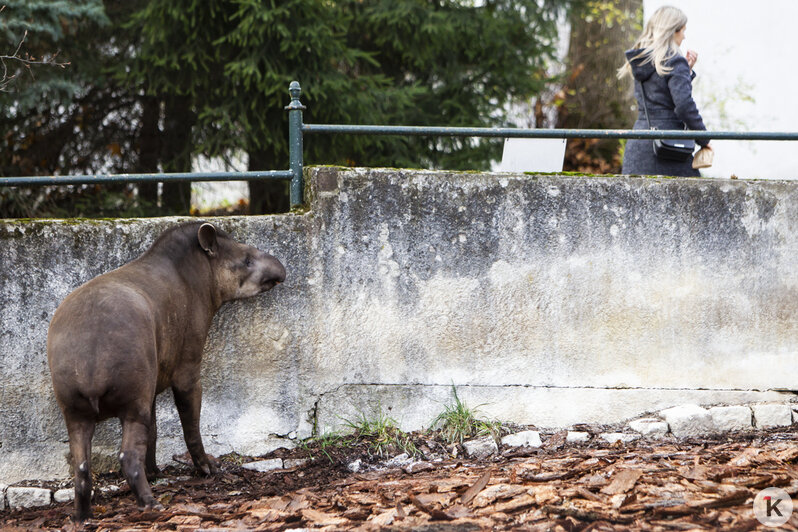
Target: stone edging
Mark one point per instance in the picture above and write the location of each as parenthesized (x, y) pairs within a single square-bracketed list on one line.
[(680, 421)]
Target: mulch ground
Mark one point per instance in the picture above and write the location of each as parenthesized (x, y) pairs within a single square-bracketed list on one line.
[(664, 485)]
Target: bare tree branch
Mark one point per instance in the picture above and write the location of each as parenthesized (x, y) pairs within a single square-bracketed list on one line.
[(25, 60)]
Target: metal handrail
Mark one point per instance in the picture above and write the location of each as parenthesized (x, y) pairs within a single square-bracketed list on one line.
[(143, 178), (546, 133), (297, 129)]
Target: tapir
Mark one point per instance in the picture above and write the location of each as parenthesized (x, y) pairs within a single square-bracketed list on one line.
[(127, 335)]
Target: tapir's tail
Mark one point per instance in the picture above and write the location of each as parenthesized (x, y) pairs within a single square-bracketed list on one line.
[(94, 401)]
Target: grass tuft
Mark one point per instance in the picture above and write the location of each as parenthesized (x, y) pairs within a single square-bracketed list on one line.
[(381, 435), (458, 423)]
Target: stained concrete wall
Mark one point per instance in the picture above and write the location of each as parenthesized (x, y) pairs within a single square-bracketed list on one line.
[(547, 300)]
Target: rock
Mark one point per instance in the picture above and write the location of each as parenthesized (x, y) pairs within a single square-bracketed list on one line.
[(64, 495), (688, 420), (28, 497), (290, 463), (728, 418), (613, 437), (575, 436), (453, 450), (265, 465), (400, 460), (527, 438), (481, 448), (772, 415), (649, 426), (417, 467), (3, 488), (355, 466)]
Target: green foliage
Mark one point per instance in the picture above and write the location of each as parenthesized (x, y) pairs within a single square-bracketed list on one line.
[(88, 201), (152, 82), (324, 444), (458, 422), (414, 62), (381, 434)]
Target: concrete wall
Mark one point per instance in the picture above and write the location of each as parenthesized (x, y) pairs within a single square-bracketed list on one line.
[(547, 300)]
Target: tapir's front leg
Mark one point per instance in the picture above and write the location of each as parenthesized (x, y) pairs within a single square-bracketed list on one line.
[(188, 399), (150, 467)]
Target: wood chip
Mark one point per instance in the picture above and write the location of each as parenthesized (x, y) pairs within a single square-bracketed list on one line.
[(545, 495), (478, 486), (518, 503), (586, 516), (458, 511), (498, 491), (556, 441), (587, 494), (385, 518), (622, 481)]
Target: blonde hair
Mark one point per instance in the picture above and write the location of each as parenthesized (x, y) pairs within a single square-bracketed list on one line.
[(657, 40)]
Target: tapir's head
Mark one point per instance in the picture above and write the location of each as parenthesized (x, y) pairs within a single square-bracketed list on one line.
[(240, 270)]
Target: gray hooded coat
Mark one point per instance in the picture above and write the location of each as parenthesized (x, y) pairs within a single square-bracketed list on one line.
[(670, 106)]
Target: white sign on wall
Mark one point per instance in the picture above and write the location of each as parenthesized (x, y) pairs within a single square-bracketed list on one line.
[(533, 155)]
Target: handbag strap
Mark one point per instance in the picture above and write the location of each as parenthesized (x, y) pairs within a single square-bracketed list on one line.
[(645, 107)]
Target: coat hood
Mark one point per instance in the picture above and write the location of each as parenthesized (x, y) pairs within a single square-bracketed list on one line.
[(640, 71)]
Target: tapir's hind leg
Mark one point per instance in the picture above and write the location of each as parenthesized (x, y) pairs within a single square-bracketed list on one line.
[(135, 435), (80, 434)]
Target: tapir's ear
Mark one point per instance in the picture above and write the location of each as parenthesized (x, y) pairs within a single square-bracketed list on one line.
[(207, 239)]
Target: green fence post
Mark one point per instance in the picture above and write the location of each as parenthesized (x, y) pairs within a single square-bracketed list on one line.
[(295, 144)]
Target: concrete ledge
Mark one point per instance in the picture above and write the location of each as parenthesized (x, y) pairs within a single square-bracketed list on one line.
[(416, 406)]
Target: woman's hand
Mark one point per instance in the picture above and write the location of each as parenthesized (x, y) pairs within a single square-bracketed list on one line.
[(692, 57)]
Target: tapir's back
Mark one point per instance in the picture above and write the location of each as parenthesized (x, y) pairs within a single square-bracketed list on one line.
[(101, 341)]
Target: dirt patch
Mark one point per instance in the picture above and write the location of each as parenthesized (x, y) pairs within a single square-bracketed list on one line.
[(645, 485)]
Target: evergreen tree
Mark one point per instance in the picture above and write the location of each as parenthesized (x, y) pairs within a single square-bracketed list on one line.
[(153, 82), (74, 119), (412, 62)]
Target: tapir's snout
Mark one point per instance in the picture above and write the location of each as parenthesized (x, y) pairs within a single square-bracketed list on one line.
[(273, 274)]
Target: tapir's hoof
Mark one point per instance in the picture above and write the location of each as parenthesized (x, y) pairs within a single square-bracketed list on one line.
[(210, 467), (153, 505), (81, 518), (76, 526)]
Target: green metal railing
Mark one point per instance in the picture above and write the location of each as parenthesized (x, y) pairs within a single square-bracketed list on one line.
[(297, 129)]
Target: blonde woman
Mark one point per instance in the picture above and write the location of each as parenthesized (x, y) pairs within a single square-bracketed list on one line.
[(658, 67)]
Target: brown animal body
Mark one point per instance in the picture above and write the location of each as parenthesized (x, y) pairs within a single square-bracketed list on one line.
[(125, 336)]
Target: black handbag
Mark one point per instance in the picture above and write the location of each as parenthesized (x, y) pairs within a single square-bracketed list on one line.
[(679, 150)]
